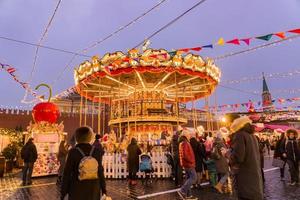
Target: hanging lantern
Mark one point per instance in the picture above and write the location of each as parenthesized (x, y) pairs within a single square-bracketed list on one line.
[(45, 111)]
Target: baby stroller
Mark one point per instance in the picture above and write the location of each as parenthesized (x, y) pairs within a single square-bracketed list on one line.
[(146, 168)]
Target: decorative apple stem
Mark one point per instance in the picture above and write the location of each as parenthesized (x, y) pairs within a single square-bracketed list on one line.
[(49, 89), (45, 111)]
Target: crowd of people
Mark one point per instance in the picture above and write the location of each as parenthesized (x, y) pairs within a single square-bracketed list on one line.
[(231, 161)]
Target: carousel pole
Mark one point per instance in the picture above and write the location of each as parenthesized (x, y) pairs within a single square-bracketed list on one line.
[(99, 108), (103, 118), (93, 113), (80, 111), (193, 109), (218, 124), (135, 108), (176, 100), (119, 108), (85, 108)]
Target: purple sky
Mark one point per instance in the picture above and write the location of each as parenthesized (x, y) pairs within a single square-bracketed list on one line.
[(78, 23)]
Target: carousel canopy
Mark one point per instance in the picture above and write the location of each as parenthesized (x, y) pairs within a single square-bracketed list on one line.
[(119, 76)]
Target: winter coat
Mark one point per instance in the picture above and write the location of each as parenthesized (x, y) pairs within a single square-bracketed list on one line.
[(245, 160), (291, 148), (186, 153), (62, 150), (175, 145), (97, 144), (220, 161), (29, 152), (133, 156), (85, 189), (199, 153), (277, 150)]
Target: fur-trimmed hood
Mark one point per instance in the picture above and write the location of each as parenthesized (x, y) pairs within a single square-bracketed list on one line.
[(240, 123)]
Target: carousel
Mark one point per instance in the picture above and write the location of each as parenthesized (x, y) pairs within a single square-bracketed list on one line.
[(146, 92)]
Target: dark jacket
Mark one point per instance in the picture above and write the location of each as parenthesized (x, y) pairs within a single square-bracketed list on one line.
[(245, 160), (133, 156), (220, 161), (277, 150), (62, 151), (175, 145), (97, 144), (199, 153), (86, 189), (29, 152), (291, 148), (186, 153)]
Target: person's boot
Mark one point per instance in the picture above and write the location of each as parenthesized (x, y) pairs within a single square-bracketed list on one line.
[(219, 187)]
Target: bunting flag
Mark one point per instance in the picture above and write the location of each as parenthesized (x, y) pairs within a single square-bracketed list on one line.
[(208, 46), (265, 37), (234, 41), (280, 35), (246, 40), (295, 31), (196, 49), (221, 42)]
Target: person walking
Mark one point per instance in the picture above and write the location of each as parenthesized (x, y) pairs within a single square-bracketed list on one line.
[(199, 153), (291, 151), (83, 176), (61, 156), (244, 158), (177, 170), (29, 155), (97, 144), (220, 161), (278, 154), (187, 161), (133, 161)]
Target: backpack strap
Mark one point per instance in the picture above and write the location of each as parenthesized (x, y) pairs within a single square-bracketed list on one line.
[(81, 152), (92, 151)]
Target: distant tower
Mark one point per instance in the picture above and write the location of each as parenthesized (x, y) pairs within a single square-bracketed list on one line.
[(266, 96)]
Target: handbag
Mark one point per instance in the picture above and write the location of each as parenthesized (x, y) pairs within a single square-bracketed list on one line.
[(277, 162)]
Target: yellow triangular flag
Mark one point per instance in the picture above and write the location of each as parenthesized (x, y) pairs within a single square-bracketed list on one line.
[(220, 42)]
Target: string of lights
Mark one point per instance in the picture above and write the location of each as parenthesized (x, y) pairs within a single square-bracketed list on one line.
[(276, 75), (98, 42), (24, 100), (170, 23)]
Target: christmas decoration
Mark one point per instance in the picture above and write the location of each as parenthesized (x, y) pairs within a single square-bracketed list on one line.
[(45, 111)]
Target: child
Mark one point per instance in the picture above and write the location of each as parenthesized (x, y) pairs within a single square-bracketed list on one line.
[(212, 171)]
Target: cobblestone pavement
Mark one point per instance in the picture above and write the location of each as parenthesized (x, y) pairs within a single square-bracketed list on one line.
[(45, 188)]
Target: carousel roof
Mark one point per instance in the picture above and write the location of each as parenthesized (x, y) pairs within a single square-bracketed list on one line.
[(118, 75)]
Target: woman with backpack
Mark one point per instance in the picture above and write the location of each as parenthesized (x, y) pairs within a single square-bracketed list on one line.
[(83, 176), (133, 160)]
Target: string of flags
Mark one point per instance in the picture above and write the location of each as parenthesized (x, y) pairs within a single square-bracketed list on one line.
[(252, 105), (11, 71), (239, 41)]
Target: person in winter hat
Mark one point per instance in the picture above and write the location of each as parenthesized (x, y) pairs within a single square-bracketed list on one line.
[(187, 161), (72, 183), (244, 158), (291, 152), (29, 155)]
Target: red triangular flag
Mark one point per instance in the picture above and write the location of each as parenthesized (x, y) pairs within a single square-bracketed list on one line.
[(234, 41), (11, 70), (184, 50), (196, 48), (246, 40), (280, 35), (295, 31)]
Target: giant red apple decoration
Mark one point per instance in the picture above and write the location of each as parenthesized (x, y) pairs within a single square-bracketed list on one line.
[(45, 111)]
